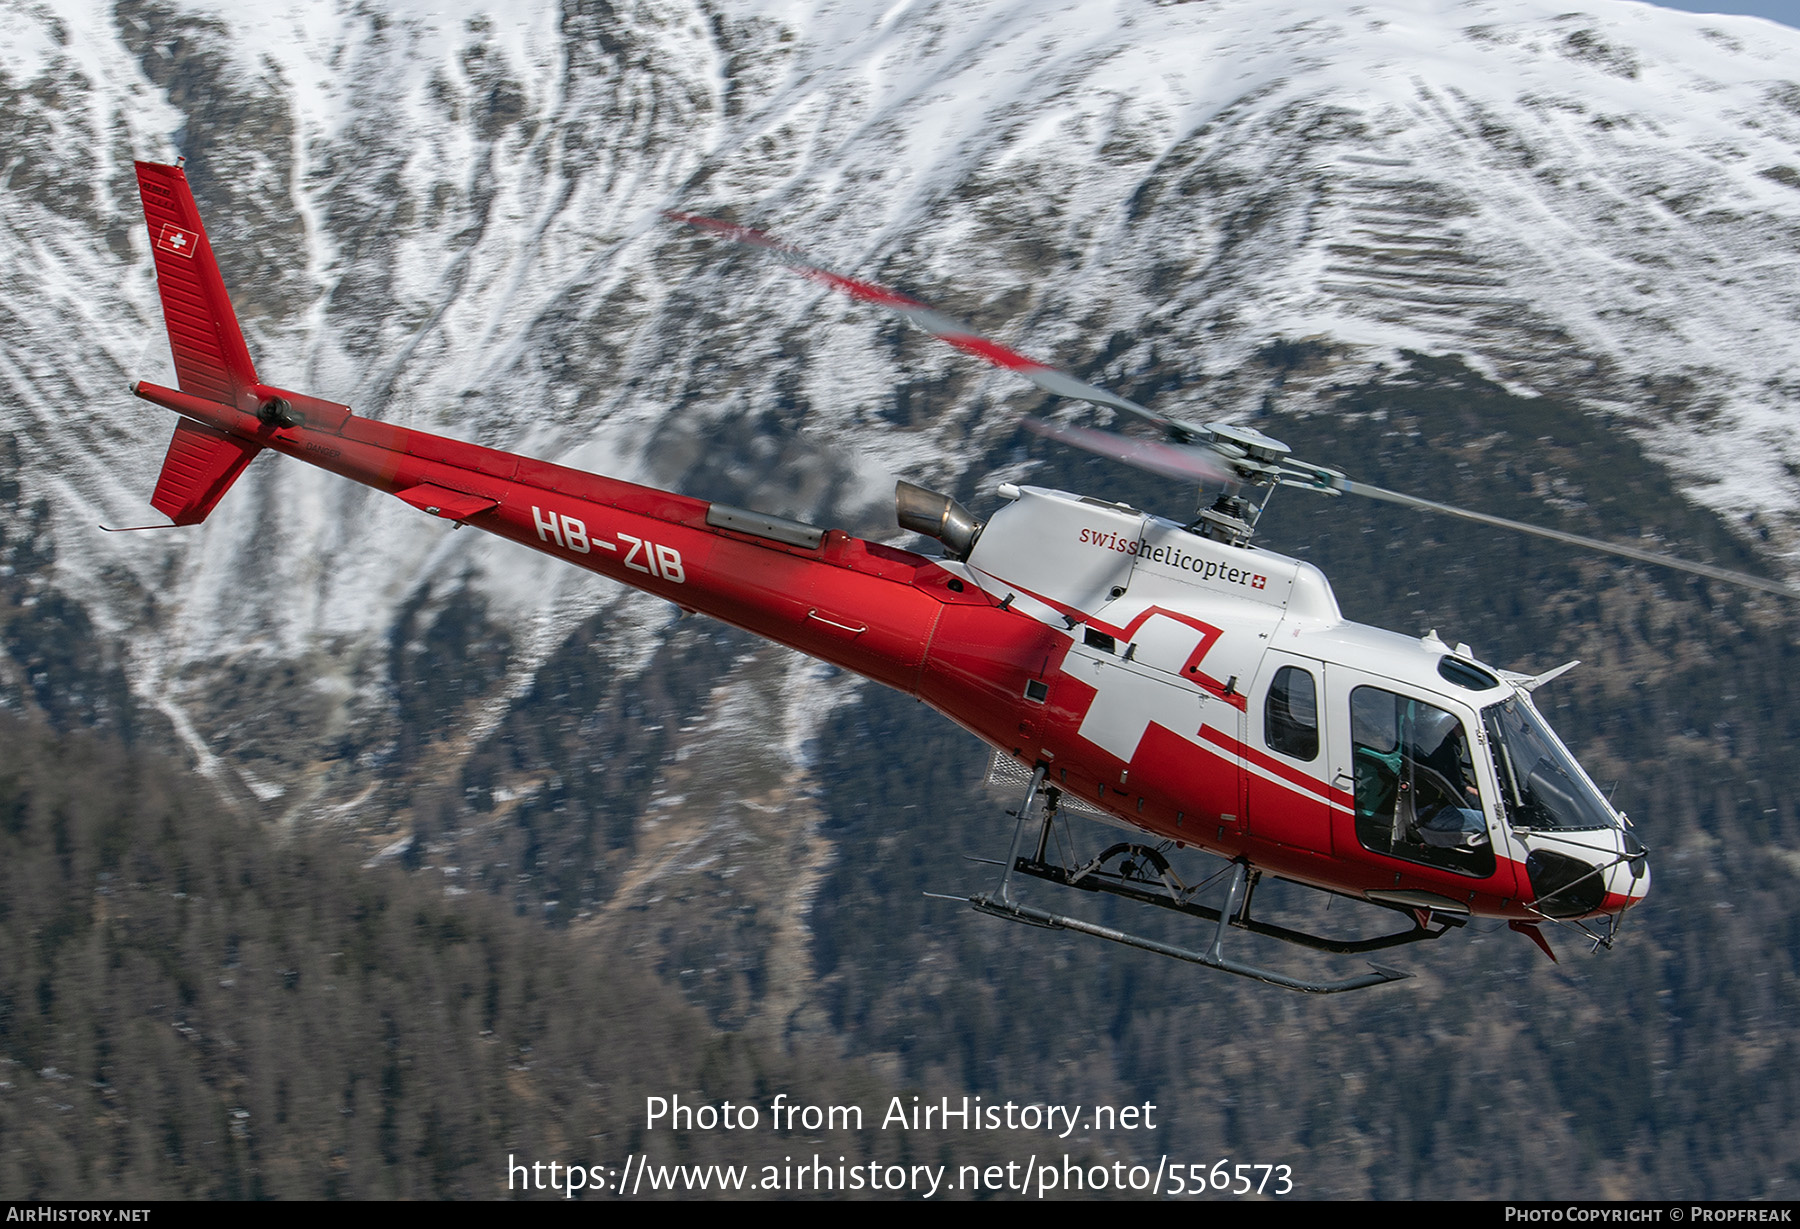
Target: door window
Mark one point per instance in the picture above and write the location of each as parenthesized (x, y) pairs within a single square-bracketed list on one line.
[(1291, 714), (1416, 792)]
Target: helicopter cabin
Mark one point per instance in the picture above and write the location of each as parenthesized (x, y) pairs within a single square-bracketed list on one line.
[(1221, 685)]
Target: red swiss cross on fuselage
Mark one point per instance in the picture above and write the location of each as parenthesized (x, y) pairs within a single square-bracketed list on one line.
[(174, 239)]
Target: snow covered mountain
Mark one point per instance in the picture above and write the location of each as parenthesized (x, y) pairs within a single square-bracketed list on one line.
[(449, 216)]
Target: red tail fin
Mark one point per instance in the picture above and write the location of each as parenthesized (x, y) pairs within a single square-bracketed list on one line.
[(211, 360)]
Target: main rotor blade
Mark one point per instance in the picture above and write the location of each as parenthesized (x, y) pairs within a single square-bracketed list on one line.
[(1571, 539), (923, 316), (1191, 464)]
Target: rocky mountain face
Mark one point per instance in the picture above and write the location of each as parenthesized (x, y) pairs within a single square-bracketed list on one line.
[(1532, 260)]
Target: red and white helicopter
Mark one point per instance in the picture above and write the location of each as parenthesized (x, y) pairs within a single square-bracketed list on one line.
[(1171, 679)]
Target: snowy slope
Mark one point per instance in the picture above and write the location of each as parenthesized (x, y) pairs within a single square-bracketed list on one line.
[(449, 216)]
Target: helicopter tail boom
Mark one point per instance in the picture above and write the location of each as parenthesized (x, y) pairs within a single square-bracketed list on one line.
[(866, 607)]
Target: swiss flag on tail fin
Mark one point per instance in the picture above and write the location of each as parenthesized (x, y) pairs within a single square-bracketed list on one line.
[(211, 360), (201, 466)]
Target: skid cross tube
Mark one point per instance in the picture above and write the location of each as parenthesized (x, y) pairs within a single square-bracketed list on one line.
[(1213, 958), (1094, 877), (1089, 881), (1012, 858)]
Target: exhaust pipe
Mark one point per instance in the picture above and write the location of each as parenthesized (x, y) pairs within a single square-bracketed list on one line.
[(936, 516)]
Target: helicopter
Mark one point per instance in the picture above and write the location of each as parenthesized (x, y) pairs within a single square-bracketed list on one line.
[(1169, 679)]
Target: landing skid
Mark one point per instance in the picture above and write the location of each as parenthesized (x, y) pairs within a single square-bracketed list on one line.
[(1142, 874)]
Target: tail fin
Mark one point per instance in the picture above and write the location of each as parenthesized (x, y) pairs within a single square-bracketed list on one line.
[(211, 360)]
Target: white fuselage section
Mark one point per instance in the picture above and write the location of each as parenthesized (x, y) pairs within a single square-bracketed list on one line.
[(1227, 675)]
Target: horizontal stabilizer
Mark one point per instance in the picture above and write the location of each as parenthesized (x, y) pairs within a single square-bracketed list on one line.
[(201, 466), (451, 505)]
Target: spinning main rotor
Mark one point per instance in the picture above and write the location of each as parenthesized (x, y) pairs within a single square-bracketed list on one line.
[(1244, 463)]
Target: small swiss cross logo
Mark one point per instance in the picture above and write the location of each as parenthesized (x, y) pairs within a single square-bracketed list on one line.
[(1259, 582), (176, 240)]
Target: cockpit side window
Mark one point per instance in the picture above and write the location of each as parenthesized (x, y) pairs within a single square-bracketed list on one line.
[(1416, 792), (1291, 714)]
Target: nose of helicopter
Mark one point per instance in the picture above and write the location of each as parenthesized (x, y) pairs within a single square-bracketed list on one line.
[(1587, 874)]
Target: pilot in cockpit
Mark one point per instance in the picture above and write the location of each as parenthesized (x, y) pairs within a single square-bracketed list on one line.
[(1446, 799)]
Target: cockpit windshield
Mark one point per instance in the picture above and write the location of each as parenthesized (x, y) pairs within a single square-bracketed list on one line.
[(1542, 786)]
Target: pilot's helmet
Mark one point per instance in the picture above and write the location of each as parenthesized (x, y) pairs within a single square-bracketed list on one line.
[(1433, 729)]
